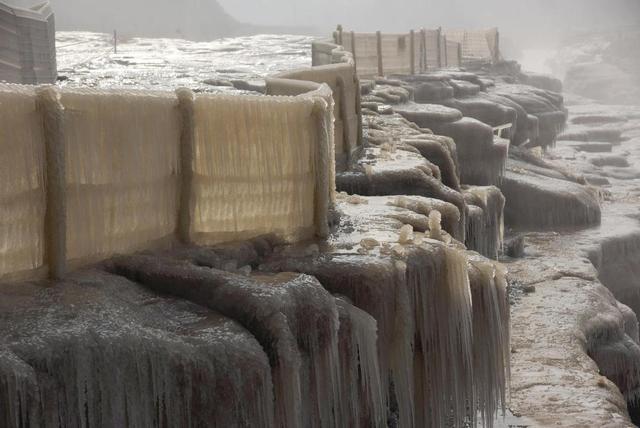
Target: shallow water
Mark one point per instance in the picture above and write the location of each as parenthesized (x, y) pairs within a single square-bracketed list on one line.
[(88, 59)]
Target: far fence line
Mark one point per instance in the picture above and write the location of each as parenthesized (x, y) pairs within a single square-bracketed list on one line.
[(377, 54)]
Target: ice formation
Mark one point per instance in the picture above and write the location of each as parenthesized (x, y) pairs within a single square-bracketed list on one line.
[(100, 350), (22, 177)]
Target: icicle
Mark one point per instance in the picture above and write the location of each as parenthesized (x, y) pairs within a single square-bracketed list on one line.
[(491, 337), (360, 382), (439, 283)]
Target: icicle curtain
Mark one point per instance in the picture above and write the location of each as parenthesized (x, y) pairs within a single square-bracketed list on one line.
[(102, 172), (22, 194), (122, 170), (344, 85), (254, 169)]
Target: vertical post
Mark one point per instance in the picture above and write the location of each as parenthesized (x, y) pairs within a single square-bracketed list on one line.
[(379, 49), (55, 224), (186, 104), (340, 35), (115, 42), (360, 140), (446, 51), (325, 184), (424, 65), (439, 37), (353, 50), (496, 53), (412, 48), (459, 54), (344, 117)]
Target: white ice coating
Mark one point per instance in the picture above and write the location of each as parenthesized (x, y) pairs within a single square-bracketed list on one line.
[(361, 386), (22, 197), (122, 170)]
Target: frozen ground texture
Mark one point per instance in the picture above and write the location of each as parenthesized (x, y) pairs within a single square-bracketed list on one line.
[(563, 277)]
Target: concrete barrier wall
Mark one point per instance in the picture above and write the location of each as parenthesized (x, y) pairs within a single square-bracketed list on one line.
[(27, 44), (344, 84), (86, 174)]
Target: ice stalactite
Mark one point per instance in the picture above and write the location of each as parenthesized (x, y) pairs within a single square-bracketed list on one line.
[(491, 336), (99, 350), (375, 286), (485, 225), (292, 316), (361, 386), (438, 283)]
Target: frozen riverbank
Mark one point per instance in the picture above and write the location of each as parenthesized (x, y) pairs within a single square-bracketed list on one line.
[(568, 316)]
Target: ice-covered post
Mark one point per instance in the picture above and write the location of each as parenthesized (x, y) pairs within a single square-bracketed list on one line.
[(412, 48), (459, 54), (360, 142), (339, 31), (323, 122), (496, 53), (55, 224), (353, 49), (344, 117), (115, 42), (446, 51), (423, 50), (186, 101), (439, 37), (379, 50)]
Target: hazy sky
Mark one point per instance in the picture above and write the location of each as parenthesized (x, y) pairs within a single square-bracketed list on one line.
[(536, 21)]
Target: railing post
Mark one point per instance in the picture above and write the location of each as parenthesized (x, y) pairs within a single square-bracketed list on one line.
[(186, 104), (353, 50), (412, 48), (446, 51), (496, 54), (55, 224), (459, 54), (379, 49), (339, 30), (424, 65), (439, 37)]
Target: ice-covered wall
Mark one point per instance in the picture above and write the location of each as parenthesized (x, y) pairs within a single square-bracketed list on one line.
[(86, 174), (345, 86), (22, 195)]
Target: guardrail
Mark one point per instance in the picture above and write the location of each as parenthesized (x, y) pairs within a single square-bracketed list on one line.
[(379, 54), (85, 174)]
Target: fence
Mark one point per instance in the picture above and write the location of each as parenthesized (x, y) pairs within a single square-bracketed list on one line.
[(345, 86), (27, 44), (379, 54), (476, 45), (85, 174)]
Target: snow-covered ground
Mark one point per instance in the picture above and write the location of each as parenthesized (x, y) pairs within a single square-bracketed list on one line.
[(88, 59)]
